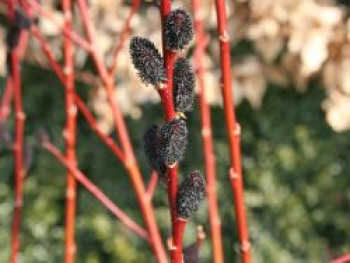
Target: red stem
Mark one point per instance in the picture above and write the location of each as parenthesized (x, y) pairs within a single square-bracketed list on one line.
[(18, 145), (67, 32), (152, 185), (124, 35), (180, 225), (5, 105), (94, 126), (49, 54), (207, 138), (69, 134), (342, 259), (5, 108), (169, 112), (95, 191), (233, 130)]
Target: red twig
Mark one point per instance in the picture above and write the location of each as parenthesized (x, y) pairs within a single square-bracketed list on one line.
[(342, 259), (207, 139), (5, 107), (94, 126), (68, 32), (130, 161), (69, 134), (18, 145), (124, 35), (176, 249), (56, 67), (96, 192), (234, 132), (152, 185)]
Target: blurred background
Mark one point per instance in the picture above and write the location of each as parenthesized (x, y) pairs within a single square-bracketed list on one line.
[(291, 64)]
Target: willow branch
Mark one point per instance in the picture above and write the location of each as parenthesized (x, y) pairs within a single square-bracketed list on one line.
[(67, 32), (94, 126), (233, 131), (207, 140), (124, 35), (96, 192), (5, 106), (70, 137), (18, 145), (152, 184)]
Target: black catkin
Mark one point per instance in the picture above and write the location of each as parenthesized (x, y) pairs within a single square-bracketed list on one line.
[(151, 140), (173, 141), (184, 84), (147, 61), (191, 254), (190, 195), (20, 22), (178, 30)]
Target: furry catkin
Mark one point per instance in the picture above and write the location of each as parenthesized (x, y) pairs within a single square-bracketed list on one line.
[(178, 30), (184, 84), (151, 140), (173, 141), (190, 195), (20, 22), (147, 61)]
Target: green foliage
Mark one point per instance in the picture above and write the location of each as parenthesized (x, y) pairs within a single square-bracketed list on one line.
[(295, 170)]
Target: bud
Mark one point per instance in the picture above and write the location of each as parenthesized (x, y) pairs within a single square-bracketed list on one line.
[(151, 145), (147, 61), (184, 83), (190, 195), (173, 141), (178, 30)]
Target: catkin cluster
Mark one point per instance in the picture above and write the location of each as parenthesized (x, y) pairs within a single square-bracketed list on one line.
[(165, 145)]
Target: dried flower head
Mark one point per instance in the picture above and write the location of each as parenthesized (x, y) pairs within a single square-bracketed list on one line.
[(190, 195), (184, 83), (151, 145), (147, 61), (178, 31), (173, 141)]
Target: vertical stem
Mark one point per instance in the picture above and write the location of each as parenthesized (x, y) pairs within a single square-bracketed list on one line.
[(207, 139), (5, 104), (180, 225), (70, 138), (234, 132), (18, 145), (168, 106)]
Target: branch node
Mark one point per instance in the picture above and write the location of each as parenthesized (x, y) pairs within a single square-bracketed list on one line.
[(224, 37), (173, 165), (20, 115), (233, 175), (245, 246), (206, 132), (67, 70)]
